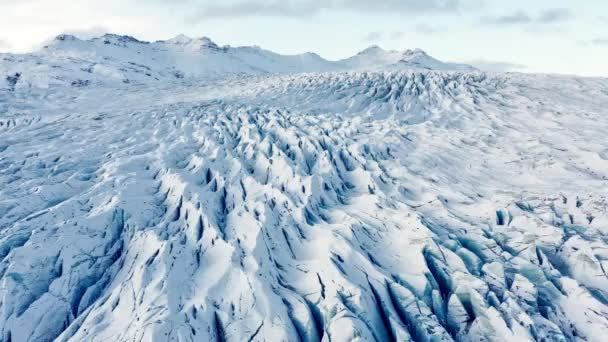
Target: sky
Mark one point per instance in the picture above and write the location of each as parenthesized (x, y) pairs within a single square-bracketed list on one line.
[(548, 36)]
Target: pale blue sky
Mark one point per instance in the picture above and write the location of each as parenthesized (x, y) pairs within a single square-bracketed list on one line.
[(559, 36)]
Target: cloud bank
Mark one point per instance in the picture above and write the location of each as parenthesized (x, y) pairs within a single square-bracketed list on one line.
[(308, 8), (547, 16)]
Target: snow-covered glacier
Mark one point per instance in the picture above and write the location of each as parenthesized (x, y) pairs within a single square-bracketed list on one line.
[(183, 191)]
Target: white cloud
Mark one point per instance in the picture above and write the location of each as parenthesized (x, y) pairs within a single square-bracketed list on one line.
[(4, 45), (595, 42), (426, 28), (307, 8), (547, 16), (373, 36)]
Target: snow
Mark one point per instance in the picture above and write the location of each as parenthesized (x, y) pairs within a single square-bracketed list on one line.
[(182, 190)]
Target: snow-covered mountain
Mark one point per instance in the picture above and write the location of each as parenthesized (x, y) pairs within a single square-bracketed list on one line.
[(184, 191), (375, 58), (123, 59)]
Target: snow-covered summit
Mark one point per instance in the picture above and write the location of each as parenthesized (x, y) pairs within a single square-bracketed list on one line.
[(180, 39), (62, 41), (202, 43), (371, 50)]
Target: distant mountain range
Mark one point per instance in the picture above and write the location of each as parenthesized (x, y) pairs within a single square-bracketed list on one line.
[(117, 58)]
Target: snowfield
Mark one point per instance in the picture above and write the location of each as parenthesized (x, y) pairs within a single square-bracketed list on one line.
[(182, 191)]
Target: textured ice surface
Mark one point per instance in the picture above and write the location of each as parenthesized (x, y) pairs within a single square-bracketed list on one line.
[(402, 205)]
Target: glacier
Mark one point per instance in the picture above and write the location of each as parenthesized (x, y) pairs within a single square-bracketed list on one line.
[(184, 191)]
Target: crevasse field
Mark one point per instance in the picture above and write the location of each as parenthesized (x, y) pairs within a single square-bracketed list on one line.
[(183, 191)]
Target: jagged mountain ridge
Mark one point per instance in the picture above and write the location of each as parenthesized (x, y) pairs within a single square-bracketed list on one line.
[(375, 205)]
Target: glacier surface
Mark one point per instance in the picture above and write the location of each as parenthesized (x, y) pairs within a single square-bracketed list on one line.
[(183, 191)]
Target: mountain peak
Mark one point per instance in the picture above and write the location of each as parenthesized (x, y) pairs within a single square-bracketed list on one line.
[(180, 39), (111, 38), (414, 52), (206, 41), (193, 43), (371, 49), (415, 55), (64, 37)]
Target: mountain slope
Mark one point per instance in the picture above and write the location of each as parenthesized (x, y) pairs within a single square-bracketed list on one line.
[(377, 205)]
